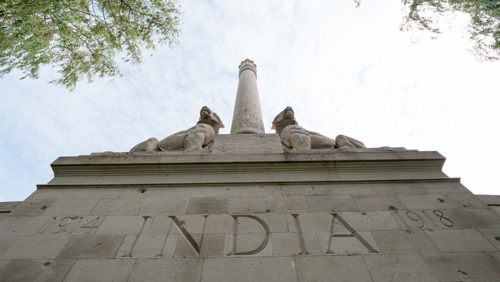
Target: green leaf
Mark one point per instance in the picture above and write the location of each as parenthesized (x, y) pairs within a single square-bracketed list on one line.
[(81, 37)]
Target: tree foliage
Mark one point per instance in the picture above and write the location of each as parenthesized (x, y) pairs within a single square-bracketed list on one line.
[(81, 37), (483, 28)]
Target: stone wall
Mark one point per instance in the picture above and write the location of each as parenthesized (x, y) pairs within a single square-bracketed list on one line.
[(362, 216)]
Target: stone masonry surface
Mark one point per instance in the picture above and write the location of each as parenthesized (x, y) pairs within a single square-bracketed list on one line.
[(345, 219)]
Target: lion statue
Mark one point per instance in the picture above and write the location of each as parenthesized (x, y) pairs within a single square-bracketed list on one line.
[(199, 138), (295, 137)]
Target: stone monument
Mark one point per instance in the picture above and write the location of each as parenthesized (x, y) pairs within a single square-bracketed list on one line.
[(251, 206), (247, 116)]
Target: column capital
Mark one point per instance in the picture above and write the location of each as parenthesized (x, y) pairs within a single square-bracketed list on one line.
[(248, 64)]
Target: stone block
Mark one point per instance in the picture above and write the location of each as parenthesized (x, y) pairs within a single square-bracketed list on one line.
[(97, 193), (378, 203), (160, 226), (420, 187), (6, 242), (36, 207), (223, 191), (188, 269), (289, 244), (220, 223), (3, 263), (494, 255), (474, 218), (446, 186), (74, 225), (331, 268), (340, 244), (169, 247), (148, 246), (384, 188), (254, 244), (404, 242), (460, 240), (50, 194), (95, 176), (248, 205), (409, 267), (335, 189), (100, 270), (188, 246), (247, 144), (127, 246), (286, 244), (441, 201), (492, 234), (118, 207), (276, 222), (143, 192), (371, 221), (212, 245), (379, 170), (71, 207), (490, 200), (127, 224), (424, 219), (313, 222), (297, 190), (36, 270), (191, 223), (463, 266), (6, 207), (249, 223), (170, 206), (331, 203), (227, 172), (143, 246), (496, 209), (22, 225), (39, 246), (292, 204), (343, 189), (93, 246), (249, 269), (209, 205)]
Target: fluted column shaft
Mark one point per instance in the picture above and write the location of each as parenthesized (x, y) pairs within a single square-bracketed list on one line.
[(247, 115)]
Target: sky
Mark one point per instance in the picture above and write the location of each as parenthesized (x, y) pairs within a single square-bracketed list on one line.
[(344, 70)]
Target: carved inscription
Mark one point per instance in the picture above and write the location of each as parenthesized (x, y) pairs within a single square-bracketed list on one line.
[(235, 236), (140, 230), (244, 235), (72, 225), (192, 242), (300, 236), (424, 219), (352, 233)]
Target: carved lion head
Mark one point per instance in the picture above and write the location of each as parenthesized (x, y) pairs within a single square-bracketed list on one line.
[(284, 119), (210, 118)]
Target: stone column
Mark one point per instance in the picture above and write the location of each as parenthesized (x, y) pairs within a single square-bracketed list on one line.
[(247, 116)]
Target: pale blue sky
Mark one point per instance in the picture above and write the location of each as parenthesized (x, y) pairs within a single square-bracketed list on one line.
[(344, 70)]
